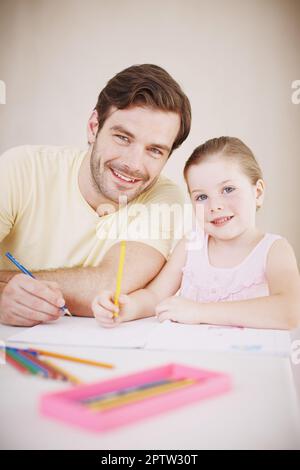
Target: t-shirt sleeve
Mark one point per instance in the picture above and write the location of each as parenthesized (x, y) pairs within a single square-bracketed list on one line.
[(9, 190), (157, 219)]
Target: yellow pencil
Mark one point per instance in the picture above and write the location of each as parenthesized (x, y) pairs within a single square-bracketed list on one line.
[(119, 275), (41, 352), (139, 395)]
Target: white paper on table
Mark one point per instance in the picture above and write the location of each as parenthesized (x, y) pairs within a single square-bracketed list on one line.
[(78, 331), (149, 334), (178, 336)]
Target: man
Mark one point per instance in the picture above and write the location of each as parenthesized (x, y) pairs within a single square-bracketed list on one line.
[(58, 205)]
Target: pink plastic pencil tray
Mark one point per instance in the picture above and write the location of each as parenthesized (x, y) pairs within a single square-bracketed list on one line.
[(70, 406)]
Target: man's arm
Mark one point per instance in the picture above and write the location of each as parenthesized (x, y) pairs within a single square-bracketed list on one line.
[(27, 302), (81, 285)]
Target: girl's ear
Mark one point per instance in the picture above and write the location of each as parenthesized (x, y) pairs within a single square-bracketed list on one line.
[(259, 193), (92, 127)]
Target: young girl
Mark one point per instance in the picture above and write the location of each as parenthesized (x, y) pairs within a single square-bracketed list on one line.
[(241, 276)]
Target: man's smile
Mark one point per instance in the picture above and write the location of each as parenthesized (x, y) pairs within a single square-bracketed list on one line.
[(124, 178)]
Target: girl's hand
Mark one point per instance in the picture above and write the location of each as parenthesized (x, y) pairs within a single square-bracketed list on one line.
[(103, 308), (178, 309)]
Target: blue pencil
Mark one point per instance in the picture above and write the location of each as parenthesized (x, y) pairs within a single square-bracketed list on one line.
[(25, 271)]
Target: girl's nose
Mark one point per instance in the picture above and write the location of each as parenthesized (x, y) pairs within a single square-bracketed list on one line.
[(216, 206)]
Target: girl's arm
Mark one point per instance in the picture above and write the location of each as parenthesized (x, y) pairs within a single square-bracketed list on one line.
[(165, 284), (142, 303), (279, 310)]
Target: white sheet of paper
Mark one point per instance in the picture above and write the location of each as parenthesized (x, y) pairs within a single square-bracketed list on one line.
[(177, 336), (77, 331), (149, 334)]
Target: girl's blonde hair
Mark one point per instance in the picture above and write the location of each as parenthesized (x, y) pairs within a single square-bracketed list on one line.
[(228, 147)]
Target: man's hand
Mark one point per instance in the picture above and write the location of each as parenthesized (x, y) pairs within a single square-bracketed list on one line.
[(26, 301), (103, 309)]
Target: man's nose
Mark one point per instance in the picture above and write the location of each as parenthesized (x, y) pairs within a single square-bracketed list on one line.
[(134, 159)]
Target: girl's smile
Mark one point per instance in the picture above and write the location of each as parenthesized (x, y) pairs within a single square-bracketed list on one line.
[(220, 221)]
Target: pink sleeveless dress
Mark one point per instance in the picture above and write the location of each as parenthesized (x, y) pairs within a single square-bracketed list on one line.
[(202, 282)]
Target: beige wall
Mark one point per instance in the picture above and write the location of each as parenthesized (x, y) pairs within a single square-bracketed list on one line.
[(236, 59)]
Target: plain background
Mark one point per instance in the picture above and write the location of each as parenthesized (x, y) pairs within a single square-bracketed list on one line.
[(235, 59)]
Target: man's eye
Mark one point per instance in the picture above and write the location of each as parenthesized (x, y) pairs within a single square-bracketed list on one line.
[(122, 138), (156, 151), (228, 189), (201, 197)]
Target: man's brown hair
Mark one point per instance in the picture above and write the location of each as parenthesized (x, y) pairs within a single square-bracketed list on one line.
[(146, 85)]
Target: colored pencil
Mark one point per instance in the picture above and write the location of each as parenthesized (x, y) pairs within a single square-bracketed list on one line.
[(25, 271), (28, 362), (49, 371), (42, 352), (22, 360), (124, 391), (119, 276), (35, 362), (63, 374), (140, 395), (17, 365)]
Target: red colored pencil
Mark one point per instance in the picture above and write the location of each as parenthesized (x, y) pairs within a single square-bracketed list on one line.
[(50, 372), (16, 364)]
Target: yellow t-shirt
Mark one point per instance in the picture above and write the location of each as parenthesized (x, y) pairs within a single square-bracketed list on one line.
[(47, 224)]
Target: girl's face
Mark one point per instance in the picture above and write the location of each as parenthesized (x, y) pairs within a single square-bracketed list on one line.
[(228, 197)]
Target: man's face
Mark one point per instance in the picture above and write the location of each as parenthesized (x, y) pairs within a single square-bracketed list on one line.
[(131, 149)]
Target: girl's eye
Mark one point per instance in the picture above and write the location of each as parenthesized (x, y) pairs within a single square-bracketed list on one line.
[(201, 197), (228, 189)]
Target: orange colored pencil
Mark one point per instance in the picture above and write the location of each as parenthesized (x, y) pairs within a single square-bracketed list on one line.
[(41, 352)]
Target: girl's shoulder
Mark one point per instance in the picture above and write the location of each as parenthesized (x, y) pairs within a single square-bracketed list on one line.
[(282, 271), (260, 253), (280, 251)]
